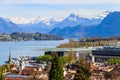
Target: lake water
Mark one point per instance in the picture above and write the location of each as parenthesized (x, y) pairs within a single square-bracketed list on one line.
[(25, 48)]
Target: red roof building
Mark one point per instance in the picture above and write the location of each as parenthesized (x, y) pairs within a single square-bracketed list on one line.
[(28, 71)]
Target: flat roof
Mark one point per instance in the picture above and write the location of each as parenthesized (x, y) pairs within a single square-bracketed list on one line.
[(67, 49)]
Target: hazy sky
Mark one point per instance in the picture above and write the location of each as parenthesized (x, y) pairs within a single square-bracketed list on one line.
[(55, 8)]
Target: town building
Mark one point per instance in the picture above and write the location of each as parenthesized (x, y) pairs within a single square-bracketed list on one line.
[(94, 54), (101, 55)]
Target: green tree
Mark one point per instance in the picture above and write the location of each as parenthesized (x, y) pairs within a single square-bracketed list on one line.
[(3, 69), (64, 59), (1, 73), (113, 61), (56, 72), (7, 67), (83, 71), (46, 58)]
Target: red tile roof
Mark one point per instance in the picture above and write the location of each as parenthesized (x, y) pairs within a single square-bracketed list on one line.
[(27, 71)]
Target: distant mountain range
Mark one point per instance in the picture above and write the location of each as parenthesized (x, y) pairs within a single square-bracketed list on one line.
[(73, 20), (73, 26), (37, 24), (45, 25), (109, 26)]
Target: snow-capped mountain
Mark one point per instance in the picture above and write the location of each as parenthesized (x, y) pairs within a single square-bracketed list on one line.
[(47, 21), (102, 15), (109, 26), (45, 25), (71, 20), (74, 20), (17, 20), (36, 24)]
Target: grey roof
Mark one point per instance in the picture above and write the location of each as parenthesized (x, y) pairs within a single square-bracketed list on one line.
[(67, 49), (15, 76)]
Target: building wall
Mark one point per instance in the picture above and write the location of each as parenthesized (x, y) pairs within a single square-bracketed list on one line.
[(60, 53), (103, 58), (82, 54), (109, 52), (103, 55)]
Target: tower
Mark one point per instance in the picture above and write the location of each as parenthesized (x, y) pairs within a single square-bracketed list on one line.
[(9, 60)]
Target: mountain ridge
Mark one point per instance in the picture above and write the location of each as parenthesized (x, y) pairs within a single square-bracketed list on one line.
[(109, 26), (8, 26), (58, 27), (45, 25)]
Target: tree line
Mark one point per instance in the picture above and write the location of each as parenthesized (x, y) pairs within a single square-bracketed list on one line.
[(17, 36), (113, 61), (89, 42)]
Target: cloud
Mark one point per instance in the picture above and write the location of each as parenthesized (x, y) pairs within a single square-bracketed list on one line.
[(52, 8), (60, 1)]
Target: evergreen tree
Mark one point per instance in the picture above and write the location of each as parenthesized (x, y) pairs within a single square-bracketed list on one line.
[(83, 71), (56, 72)]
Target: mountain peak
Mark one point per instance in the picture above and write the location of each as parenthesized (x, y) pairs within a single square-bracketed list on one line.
[(76, 15), (97, 16), (72, 15), (102, 15)]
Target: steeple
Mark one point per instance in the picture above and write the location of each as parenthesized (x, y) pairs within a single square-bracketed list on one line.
[(9, 60)]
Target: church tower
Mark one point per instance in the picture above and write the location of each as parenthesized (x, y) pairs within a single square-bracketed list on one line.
[(9, 60)]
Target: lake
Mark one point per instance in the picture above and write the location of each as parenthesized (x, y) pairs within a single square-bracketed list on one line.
[(25, 48)]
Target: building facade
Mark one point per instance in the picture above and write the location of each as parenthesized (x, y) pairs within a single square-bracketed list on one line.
[(101, 55), (95, 55)]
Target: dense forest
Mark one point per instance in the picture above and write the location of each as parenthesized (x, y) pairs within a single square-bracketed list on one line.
[(16, 36)]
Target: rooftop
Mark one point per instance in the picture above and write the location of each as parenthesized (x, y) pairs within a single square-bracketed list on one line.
[(28, 70), (15, 76), (67, 49)]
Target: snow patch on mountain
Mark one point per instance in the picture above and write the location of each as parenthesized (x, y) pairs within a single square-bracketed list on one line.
[(97, 16), (73, 17), (102, 15), (47, 21), (18, 20)]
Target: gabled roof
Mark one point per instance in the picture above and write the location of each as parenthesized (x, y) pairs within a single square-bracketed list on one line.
[(28, 71)]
